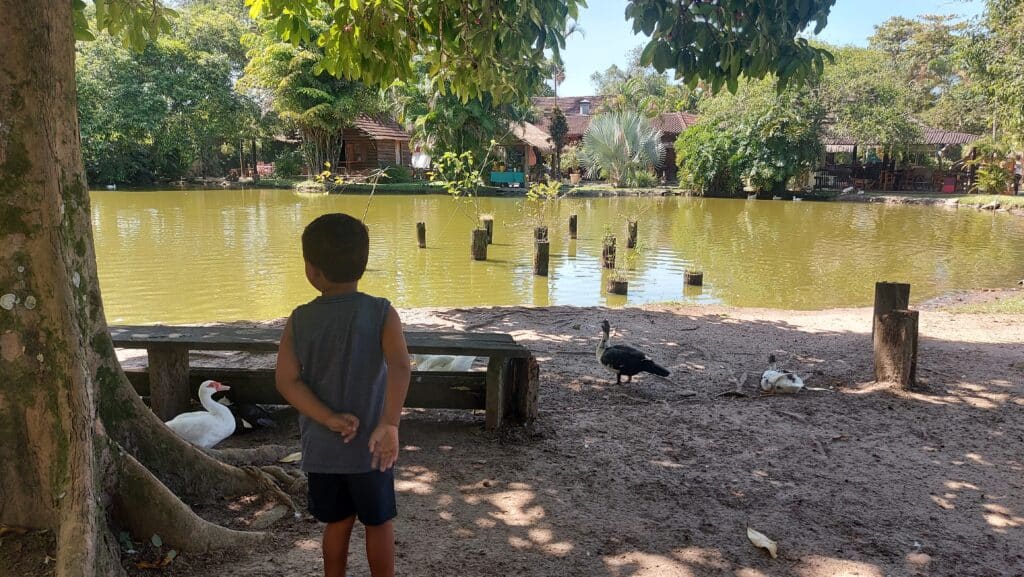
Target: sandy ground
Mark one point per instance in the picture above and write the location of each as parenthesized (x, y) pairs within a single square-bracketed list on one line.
[(663, 476)]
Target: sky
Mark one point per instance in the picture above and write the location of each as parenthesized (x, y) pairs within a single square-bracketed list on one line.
[(608, 36)]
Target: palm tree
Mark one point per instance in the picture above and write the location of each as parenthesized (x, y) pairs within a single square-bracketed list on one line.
[(619, 146)]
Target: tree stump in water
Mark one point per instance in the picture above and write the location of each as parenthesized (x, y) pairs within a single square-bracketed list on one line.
[(618, 287), (488, 222), (631, 227), (540, 233), (693, 278), (895, 347), (608, 252), (479, 244), (421, 234), (572, 226), (541, 256), (889, 296)]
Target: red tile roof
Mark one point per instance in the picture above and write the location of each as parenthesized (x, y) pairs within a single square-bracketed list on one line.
[(674, 123)]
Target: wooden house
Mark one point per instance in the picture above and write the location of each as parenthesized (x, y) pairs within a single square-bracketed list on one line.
[(372, 143)]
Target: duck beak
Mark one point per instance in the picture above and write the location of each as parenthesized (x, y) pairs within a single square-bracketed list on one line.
[(220, 387)]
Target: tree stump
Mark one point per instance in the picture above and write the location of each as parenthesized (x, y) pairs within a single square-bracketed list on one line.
[(618, 287), (540, 233), (541, 256), (488, 222), (479, 244), (889, 296), (572, 226), (693, 278), (631, 227), (608, 252), (895, 348), (421, 234)]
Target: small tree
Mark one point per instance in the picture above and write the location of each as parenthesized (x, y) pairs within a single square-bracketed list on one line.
[(619, 146), (708, 160), (558, 130)]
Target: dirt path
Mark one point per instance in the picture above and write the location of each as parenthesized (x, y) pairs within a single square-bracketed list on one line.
[(661, 477)]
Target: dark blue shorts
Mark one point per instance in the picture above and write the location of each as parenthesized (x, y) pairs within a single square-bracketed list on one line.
[(370, 496)]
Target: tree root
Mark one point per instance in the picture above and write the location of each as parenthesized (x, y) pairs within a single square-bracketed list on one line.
[(265, 480), (147, 507), (253, 456)]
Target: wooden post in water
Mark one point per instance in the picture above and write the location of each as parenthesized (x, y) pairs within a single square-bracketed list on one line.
[(488, 222), (889, 296), (631, 227), (541, 256), (572, 226), (693, 278), (421, 234), (479, 244), (540, 233), (895, 348), (608, 252)]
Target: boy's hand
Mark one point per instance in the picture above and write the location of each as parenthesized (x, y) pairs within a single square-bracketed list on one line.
[(384, 446), (344, 423)]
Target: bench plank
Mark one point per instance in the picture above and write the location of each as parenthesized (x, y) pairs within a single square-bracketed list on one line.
[(427, 389), (265, 339)]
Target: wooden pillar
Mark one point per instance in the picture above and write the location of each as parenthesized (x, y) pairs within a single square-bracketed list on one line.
[(497, 392), (479, 247), (421, 234), (540, 233), (523, 384), (168, 380), (693, 278), (541, 256), (631, 227), (572, 226), (608, 252), (488, 222), (895, 348), (889, 296)]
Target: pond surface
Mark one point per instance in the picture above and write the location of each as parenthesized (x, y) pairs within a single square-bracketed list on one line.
[(202, 256)]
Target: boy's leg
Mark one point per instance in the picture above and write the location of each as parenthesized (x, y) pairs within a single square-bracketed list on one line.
[(335, 546), (380, 549)]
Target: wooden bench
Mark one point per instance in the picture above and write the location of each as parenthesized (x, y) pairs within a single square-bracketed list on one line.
[(507, 390)]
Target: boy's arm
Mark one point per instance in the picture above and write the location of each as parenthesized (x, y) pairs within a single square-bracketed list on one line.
[(384, 440), (288, 378)]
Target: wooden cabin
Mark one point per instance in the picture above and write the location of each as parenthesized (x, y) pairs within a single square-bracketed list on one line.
[(372, 143)]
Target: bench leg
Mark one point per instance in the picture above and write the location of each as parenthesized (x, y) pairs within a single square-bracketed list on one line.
[(523, 384), (497, 369), (168, 381)]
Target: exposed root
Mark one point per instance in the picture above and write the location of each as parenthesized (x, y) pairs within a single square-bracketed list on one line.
[(267, 485), (293, 483), (146, 507), (253, 456)]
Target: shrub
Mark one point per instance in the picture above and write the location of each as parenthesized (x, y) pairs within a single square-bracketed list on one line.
[(288, 164), (708, 160), (642, 179), (398, 175), (620, 145)]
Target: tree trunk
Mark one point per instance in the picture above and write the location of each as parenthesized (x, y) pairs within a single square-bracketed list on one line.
[(255, 163), (62, 390)]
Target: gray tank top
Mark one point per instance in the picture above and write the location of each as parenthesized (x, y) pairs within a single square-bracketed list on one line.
[(338, 343)]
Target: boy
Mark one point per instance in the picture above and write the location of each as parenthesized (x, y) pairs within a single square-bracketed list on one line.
[(343, 364)]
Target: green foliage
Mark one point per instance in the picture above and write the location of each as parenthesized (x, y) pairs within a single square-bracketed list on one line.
[(868, 99), (398, 175), (473, 47), (775, 135), (642, 179), (619, 146), (709, 161), (460, 176), (720, 41), (288, 164), (134, 22), (165, 111), (558, 128), (570, 159), (991, 179), (642, 89)]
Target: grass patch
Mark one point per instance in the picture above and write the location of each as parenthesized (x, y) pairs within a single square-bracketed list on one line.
[(1008, 305), (1004, 201)]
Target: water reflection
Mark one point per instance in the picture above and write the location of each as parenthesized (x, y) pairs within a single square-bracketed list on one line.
[(191, 256)]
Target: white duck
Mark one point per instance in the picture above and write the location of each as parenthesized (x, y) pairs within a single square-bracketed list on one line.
[(442, 362), (209, 427), (780, 381)]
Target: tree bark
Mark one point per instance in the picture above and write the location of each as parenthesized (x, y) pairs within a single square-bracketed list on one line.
[(62, 391), (895, 348)]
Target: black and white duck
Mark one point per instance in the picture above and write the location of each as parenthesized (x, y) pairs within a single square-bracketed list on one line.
[(624, 360), (780, 380)]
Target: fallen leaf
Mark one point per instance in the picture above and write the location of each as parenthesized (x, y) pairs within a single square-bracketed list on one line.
[(760, 540), (156, 540), (293, 458), (4, 530)]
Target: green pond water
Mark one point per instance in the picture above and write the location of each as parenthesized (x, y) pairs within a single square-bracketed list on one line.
[(198, 256)]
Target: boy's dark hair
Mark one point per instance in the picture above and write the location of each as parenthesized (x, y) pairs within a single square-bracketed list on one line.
[(338, 245)]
